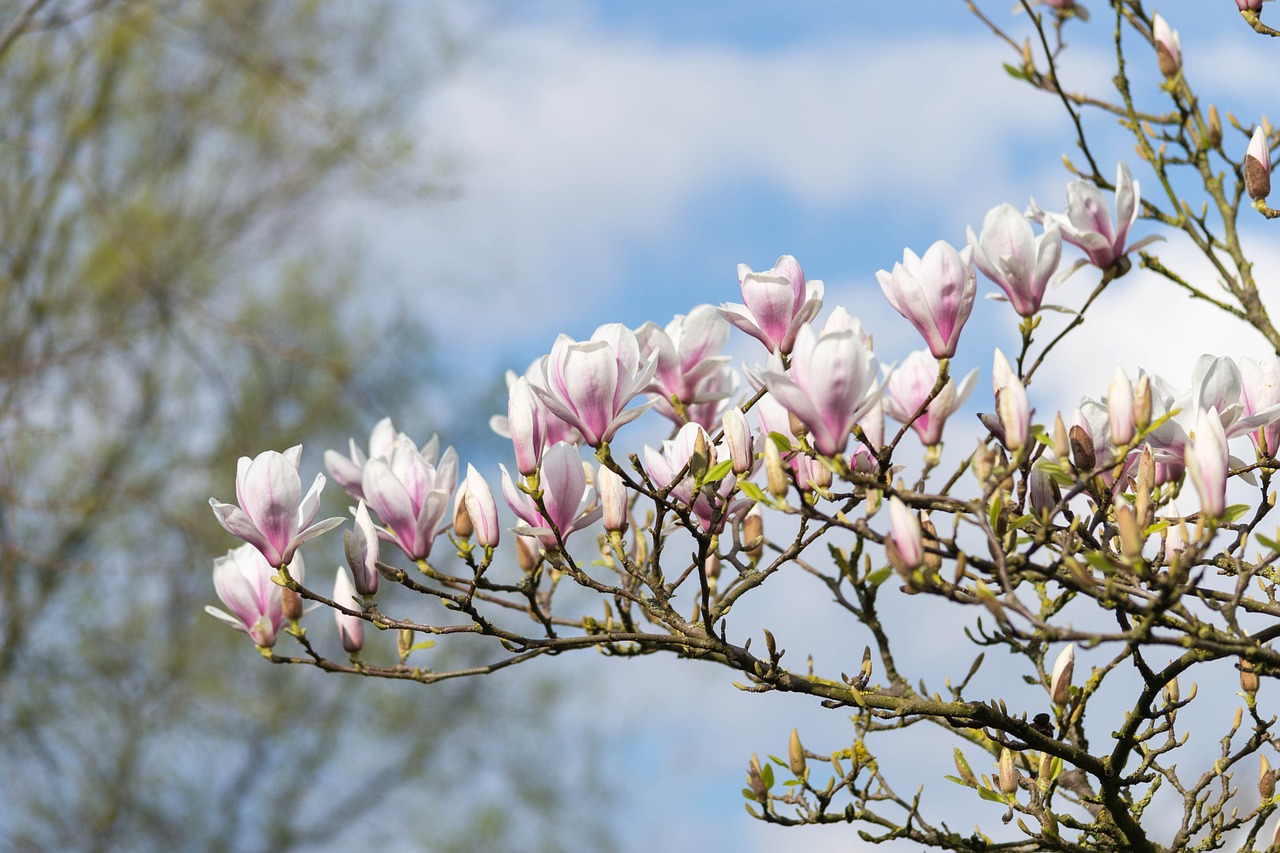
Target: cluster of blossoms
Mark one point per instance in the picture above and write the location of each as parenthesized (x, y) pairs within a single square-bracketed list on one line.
[(817, 389)]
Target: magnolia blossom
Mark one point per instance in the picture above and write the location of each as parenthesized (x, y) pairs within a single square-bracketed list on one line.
[(1120, 415), (908, 386), (1168, 46), (663, 466), (274, 516), (1257, 165), (350, 628), (1249, 5), (613, 499), (905, 533), (935, 293), (1012, 256), (565, 495), (1260, 392), (738, 440), (830, 383), (411, 494), (348, 471), (1060, 682), (689, 364), (589, 383), (243, 580), (777, 301), (482, 508), (1011, 403), (1087, 222), (530, 425), (1207, 462), (361, 545)]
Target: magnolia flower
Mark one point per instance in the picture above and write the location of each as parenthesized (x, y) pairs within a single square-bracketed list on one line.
[(589, 383), (935, 293), (243, 581), (831, 382), (350, 628), (1010, 255), (908, 386), (361, 545), (1257, 165), (410, 492), (904, 533), (1207, 460), (738, 440), (1087, 223), (348, 471), (777, 301), (1011, 403), (688, 359), (526, 426), (1120, 418), (1063, 668), (613, 499), (273, 515), (1168, 46), (565, 495), (663, 466), (482, 508), (1260, 392)]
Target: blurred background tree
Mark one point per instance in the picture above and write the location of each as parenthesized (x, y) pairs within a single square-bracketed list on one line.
[(170, 299)]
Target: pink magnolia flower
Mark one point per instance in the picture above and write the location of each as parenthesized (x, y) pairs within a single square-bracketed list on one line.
[(482, 508), (905, 533), (274, 516), (410, 492), (348, 471), (589, 383), (831, 382), (935, 293), (739, 441), (689, 363), (1249, 5), (565, 494), (242, 579), (1260, 392), (663, 466), (908, 387), (350, 628), (1010, 255), (1168, 45), (532, 427), (1206, 459), (613, 499), (1011, 403), (361, 545), (777, 301), (1087, 222)]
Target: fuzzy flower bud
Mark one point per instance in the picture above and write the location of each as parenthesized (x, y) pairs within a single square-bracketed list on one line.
[(905, 533), (350, 628), (777, 476), (1011, 404), (1257, 166), (613, 498), (1120, 408), (795, 755), (1168, 46), (1008, 774), (753, 533), (1266, 779), (1063, 668), (737, 436)]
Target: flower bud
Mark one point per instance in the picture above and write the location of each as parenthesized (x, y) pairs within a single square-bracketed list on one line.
[(527, 554), (1251, 6), (963, 769), (1143, 484), (755, 780), (795, 755), (1011, 404), (1172, 693), (1248, 678), (1042, 493), (1214, 137), (1082, 455), (753, 533), (1063, 669), (737, 435), (361, 547), (1168, 46), (291, 604), (905, 533), (1061, 446), (1008, 774), (613, 499), (482, 509), (1131, 539), (1266, 779), (700, 460), (1120, 408), (983, 462), (1207, 460), (774, 472), (1257, 166)]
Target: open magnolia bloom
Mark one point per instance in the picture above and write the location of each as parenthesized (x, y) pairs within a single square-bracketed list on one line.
[(775, 304), (1087, 222), (243, 581)]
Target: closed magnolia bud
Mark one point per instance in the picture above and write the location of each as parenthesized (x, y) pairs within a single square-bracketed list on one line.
[(1142, 402), (1082, 455), (527, 552), (462, 526), (1130, 535), (1215, 127), (700, 460), (755, 780), (904, 536), (1172, 693), (737, 436), (713, 568), (795, 755), (1248, 678), (350, 628), (1120, 408), (1012, 406), (1008, 774), (291, 604), (777, 477), (1042, 493), (404, 643), (932, 561), (798, 429), (753, 533), (1061, 447), (1266, 779), (963, 769), (1063, 669), (1143, 484), (1168, 46), (983, 461), (613, 499), (482, 510), (1257, 166)]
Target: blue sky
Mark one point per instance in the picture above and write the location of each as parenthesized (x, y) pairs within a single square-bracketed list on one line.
[(616, 160)]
